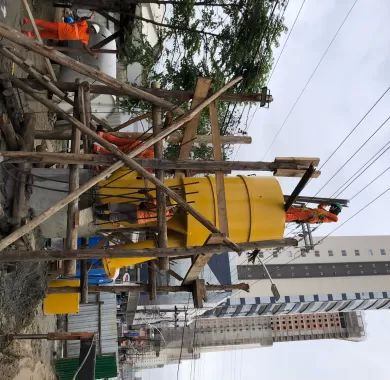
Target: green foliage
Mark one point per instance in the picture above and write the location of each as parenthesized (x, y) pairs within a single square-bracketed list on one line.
[(221, 43)]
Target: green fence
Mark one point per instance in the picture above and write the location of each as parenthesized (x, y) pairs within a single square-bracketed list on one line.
[(105, 367)]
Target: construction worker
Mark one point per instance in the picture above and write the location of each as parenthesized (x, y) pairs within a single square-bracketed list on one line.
[(313, 216), (143, 213), (125, 144), (62, 31)]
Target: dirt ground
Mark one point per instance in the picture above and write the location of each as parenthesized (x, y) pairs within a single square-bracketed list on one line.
[(22, 286)]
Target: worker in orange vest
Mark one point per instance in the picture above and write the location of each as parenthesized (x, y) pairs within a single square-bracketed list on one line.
[(313, 216), (62, 31), (125, 144), (143, 213)]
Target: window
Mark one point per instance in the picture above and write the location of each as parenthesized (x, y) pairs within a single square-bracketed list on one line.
[(357, 252), (317, 253), (275, 254), (343, 252), (330, 252), (383, 251), (371, 252)]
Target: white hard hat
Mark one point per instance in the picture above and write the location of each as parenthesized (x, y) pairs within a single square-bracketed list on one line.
[(95, 27)]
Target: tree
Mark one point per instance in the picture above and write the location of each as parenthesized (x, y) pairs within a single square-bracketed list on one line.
[(219, 42)]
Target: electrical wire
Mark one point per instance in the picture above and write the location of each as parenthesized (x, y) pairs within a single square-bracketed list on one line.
[(361, 170), (85, 359), (353, 155), (182, 338), (309, 80), (355, 127)]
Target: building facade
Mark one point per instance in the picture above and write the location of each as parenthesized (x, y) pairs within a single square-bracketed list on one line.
[(340, 274), (216, 334)]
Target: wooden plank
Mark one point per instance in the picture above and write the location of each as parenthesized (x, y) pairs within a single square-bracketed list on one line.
[(294, 173), (18, 38), (201, 90), (152, 273), (107, 40), (306, 161), (126, 160), (37, 34), (196, 267)]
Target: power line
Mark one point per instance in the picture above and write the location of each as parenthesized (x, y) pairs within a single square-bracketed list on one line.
[(285, 42), (353, 155), (309, 80), (362, 169), (355, 127)]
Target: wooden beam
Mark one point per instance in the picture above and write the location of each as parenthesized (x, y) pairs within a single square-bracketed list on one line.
[(201, 90), (167, 165), (144, 288), (18, 38), (179, 95), (85, 254), (107, 40), (132, 120), (63, 133), (126, 160), (37, 34)]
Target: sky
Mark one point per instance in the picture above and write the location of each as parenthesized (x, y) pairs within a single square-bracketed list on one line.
[(352, 76)]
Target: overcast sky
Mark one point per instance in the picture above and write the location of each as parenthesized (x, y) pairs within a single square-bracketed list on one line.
[(355, 72)]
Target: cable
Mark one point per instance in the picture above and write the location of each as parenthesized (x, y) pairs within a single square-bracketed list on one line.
[(366, 166), (355, 127), (285, 42), (309, 80), (353, 155), (365, 187), (85, 359)]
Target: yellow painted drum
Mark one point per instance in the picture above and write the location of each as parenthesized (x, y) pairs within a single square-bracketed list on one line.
[(254, 208)]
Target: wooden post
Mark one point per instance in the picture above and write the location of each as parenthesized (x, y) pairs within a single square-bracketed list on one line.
[(85, 254), (19, 201), (162, 238), (8, 131), (74, 182), (127, 160), (36, 31), (13, 35)]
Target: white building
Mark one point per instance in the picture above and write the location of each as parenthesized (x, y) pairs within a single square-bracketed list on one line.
[(216, 334), (340, 274)]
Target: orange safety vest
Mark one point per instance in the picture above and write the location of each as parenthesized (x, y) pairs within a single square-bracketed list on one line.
[(77, 31)]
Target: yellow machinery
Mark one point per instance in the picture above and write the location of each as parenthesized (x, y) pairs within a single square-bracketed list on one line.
[(60, 303), (254, 209)]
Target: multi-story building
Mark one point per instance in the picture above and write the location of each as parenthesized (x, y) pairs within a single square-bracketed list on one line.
[(340, 274), (215, 334)]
